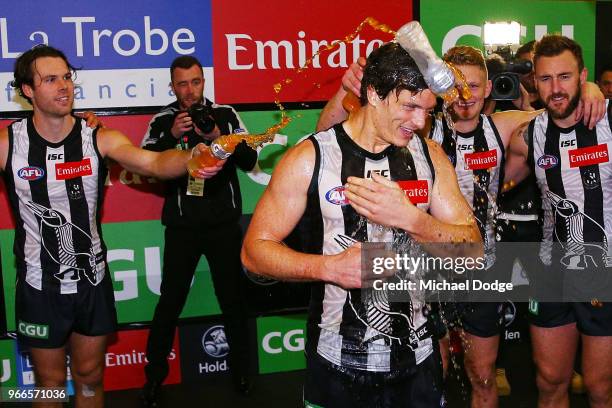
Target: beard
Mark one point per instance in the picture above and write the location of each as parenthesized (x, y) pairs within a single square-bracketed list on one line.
[(571, 106)]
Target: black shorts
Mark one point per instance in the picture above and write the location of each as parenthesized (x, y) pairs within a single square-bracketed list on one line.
[(483, 319), (590, 320), (45, 319), (327, 386)]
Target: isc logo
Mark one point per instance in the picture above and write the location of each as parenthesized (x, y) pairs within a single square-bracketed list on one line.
[(568, 143), (30, 173), (55, 156), (547, 161)]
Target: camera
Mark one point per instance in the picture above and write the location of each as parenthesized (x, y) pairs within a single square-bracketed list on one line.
[(504, 75), (202, 117)]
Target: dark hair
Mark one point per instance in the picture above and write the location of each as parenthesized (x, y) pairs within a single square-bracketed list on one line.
[(495, 65), (389, 68), (465, 55), (526, 48), (24, 73), (553, 45), (184, 62), (605, 68)]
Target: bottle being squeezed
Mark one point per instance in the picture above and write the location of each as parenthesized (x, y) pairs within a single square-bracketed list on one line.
[(220, 149), (439, 76)]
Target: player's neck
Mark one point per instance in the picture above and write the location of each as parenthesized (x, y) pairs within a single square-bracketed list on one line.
[(360, 127), (467, 126), (568, 122), (54, 129)]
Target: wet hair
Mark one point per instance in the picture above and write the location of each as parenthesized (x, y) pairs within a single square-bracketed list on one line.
[(553, 45), (525, 48), (390, 68), (24, 66), (184, 62), (465, 55)]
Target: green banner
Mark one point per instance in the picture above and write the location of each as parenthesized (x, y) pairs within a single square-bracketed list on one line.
[(451, 22), (8, 367), (281, 342), (303, 123)]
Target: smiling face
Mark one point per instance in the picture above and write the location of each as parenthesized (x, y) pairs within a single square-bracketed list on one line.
[(468, 110), (398, 116), (558, 80), (52, 90)]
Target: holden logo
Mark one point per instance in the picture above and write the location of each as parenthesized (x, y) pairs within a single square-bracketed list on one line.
[(547, 161), (508, 313), (214, 342)]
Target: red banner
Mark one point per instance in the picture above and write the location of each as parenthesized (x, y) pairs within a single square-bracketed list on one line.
[(125, 361), (259, 44)]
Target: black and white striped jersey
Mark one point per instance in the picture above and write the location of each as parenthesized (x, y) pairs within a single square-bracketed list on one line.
[(478, 158), (55, 191), (361, 329), (574, 173)]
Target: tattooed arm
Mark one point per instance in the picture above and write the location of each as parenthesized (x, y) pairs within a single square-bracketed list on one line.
[(517, 168)]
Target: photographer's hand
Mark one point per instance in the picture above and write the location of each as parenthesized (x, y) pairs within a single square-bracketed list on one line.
[(182, 124), (522, 102)]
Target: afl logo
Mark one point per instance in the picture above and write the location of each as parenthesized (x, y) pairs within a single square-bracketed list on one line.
[(336, 196), (31, 173), (547, 161)]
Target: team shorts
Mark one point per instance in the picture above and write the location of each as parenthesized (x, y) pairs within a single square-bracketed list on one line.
[(45, 319)]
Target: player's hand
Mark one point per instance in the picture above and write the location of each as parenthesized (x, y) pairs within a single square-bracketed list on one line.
[(592, 106), (91, 119), (351, 80)]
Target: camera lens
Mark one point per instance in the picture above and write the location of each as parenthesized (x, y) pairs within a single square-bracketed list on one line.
[(504, 85)]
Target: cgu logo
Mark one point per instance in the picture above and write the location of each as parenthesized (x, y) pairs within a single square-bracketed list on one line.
[(37, 331), (452, 37), (30, 173), (293, 340), (336, 196), (547, 161)]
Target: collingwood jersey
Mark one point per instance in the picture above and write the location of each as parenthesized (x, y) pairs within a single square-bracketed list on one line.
[(478, 158), (362, 329), (574, 173), (55, 190)]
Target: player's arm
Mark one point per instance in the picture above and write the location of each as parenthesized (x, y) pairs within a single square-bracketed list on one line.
[(334, 112), (164, 165), (507, 122), (592, 106), (277, 213), (517, 167), (4, 147)]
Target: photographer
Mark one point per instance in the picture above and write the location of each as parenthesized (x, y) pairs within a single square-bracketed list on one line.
[(199, 219)]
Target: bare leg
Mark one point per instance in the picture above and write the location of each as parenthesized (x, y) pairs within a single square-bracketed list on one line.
[(597, 369), (50, 371), (87, 365), (480, 356), (554, 350)]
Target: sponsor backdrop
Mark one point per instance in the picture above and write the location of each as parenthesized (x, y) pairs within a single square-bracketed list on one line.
[(245, 49)]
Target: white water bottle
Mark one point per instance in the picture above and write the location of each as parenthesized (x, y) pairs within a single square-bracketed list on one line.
[(437, 74)]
